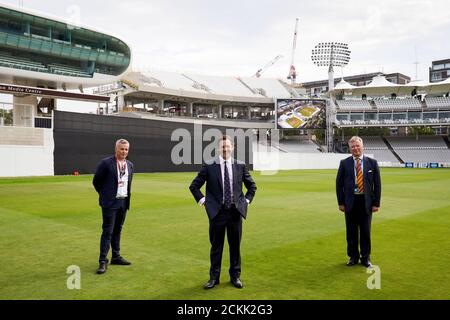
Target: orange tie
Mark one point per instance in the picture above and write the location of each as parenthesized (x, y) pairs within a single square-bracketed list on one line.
[(359, 176)]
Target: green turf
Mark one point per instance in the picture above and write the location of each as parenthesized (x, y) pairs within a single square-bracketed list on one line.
[(293, 244)]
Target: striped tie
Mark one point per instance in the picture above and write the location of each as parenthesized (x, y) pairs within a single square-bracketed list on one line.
[(359, 176), (227, 191)]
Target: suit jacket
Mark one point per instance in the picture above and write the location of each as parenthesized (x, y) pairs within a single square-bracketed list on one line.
[(212, 175), (105, 181), (345, 183)]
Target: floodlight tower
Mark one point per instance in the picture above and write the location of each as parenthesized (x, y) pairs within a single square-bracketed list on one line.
[(330, 54)]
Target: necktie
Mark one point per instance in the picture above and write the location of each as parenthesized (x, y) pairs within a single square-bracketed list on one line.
[(227, 189), (359, 176)]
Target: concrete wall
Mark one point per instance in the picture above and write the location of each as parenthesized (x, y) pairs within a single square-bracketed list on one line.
[(274, 160), (26, 160)]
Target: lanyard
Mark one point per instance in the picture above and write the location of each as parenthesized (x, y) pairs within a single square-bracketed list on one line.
[(121, 169)]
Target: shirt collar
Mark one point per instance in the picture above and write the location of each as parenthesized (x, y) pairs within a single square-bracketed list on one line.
[(222, 160), (361, 158)]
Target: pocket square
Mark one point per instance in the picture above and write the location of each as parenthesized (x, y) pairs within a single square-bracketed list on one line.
[(369, 171)]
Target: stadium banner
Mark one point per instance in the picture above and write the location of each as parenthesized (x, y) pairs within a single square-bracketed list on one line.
[(298, 113), (422, 165), (51, 93), (433, 165), (409, 164)]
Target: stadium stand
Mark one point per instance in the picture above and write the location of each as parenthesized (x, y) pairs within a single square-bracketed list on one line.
[(423, 149), (379, 149), (438, 102), (407, 103), (353, 105)]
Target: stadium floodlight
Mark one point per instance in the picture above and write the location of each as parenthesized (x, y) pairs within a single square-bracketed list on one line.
[(330, 54)]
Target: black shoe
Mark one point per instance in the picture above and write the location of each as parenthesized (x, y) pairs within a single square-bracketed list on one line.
[(352, 262), (237, 283), (102, 268), (120, 261), (366, 263), (211, 283)]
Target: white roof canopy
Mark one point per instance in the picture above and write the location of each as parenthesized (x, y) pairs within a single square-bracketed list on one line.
[(381, 86), (344, 85)]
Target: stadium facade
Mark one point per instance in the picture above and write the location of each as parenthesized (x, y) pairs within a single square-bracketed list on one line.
[(41, 58)]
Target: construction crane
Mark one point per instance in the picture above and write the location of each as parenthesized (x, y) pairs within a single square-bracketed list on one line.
[(292, 73), (268, 64)]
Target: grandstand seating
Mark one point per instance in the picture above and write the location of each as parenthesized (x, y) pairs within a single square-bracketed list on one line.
[(408, 103), (424, 149), (353, 105), (379, 149), (438, 102)]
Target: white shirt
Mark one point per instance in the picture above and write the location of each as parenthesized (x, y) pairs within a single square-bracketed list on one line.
[(230, 175), (122, 181)]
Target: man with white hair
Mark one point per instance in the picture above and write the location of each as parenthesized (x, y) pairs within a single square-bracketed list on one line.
[(358, 190), (112, 181)]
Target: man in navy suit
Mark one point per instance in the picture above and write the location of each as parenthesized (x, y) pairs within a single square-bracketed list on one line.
[(225, 205), (358, 190), (112, 181)]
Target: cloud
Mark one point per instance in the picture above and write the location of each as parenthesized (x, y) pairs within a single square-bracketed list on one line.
[(239, 37)]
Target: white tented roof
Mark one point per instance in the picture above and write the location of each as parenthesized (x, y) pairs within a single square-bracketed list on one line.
[(381, 86), (229, 88), (224, 85), (379, 82), (170, 80), (344, 85), (270, 87)]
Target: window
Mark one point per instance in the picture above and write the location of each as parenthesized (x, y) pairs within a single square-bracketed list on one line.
[(414, 115), (399, 116), (430, 115), (385, 116), (341, 117), (438, 66), (436, 76), (356, 116), (370, 116), (443, 115)]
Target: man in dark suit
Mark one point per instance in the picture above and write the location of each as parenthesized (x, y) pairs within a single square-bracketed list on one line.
[(358, 190), (225, 205), (112, 181)]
